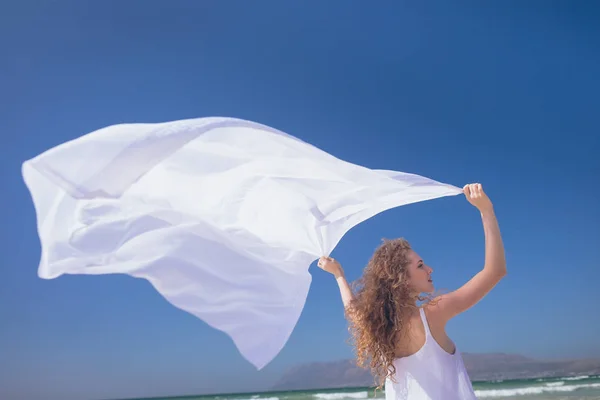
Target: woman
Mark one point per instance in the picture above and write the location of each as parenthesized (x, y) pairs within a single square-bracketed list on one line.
[(405, 343)]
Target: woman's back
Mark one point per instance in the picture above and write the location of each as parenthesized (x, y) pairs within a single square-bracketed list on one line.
[(429, 374)]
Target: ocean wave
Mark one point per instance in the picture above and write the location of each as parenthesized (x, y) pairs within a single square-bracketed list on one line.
[(533, 390), (565, 378), (257, 397), (335, 396), (576, 378)]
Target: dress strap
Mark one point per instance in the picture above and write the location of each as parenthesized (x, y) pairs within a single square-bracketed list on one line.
[(424, 320)]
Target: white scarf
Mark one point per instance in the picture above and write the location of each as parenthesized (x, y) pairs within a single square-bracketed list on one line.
[(222, 216)]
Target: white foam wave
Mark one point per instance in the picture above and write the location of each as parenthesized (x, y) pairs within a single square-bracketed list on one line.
[(565, 378), (553, 384), (257, 397), (335, 396), (576, 378), (533, 390)]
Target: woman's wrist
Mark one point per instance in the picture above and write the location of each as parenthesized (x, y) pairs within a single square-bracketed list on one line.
[(339, 274)]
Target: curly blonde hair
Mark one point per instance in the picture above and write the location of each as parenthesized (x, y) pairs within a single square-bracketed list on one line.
[(378, 313)]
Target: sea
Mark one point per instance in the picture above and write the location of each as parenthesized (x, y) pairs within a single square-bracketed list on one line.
[(567, 388)]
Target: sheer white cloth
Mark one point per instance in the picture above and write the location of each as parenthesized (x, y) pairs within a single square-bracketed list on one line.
[(222, 216)]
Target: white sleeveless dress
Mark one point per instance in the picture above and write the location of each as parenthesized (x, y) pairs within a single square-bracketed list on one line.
[(430, 374)]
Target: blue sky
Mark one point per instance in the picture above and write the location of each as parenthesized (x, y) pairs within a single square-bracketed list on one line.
[(503, 93)]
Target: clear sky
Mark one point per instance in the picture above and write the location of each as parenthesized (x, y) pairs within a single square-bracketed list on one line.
[(503, 93)]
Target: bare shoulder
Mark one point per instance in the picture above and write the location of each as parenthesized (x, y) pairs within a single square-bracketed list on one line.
[(437, 325), (435, 312)]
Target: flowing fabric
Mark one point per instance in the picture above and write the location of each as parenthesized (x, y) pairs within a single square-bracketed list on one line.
[(222, 216)]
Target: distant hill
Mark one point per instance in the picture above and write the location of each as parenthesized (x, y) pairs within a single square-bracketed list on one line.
[(345, 373)]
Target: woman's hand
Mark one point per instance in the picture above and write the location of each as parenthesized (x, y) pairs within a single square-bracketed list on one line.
[(330, 265), (476, 196)]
